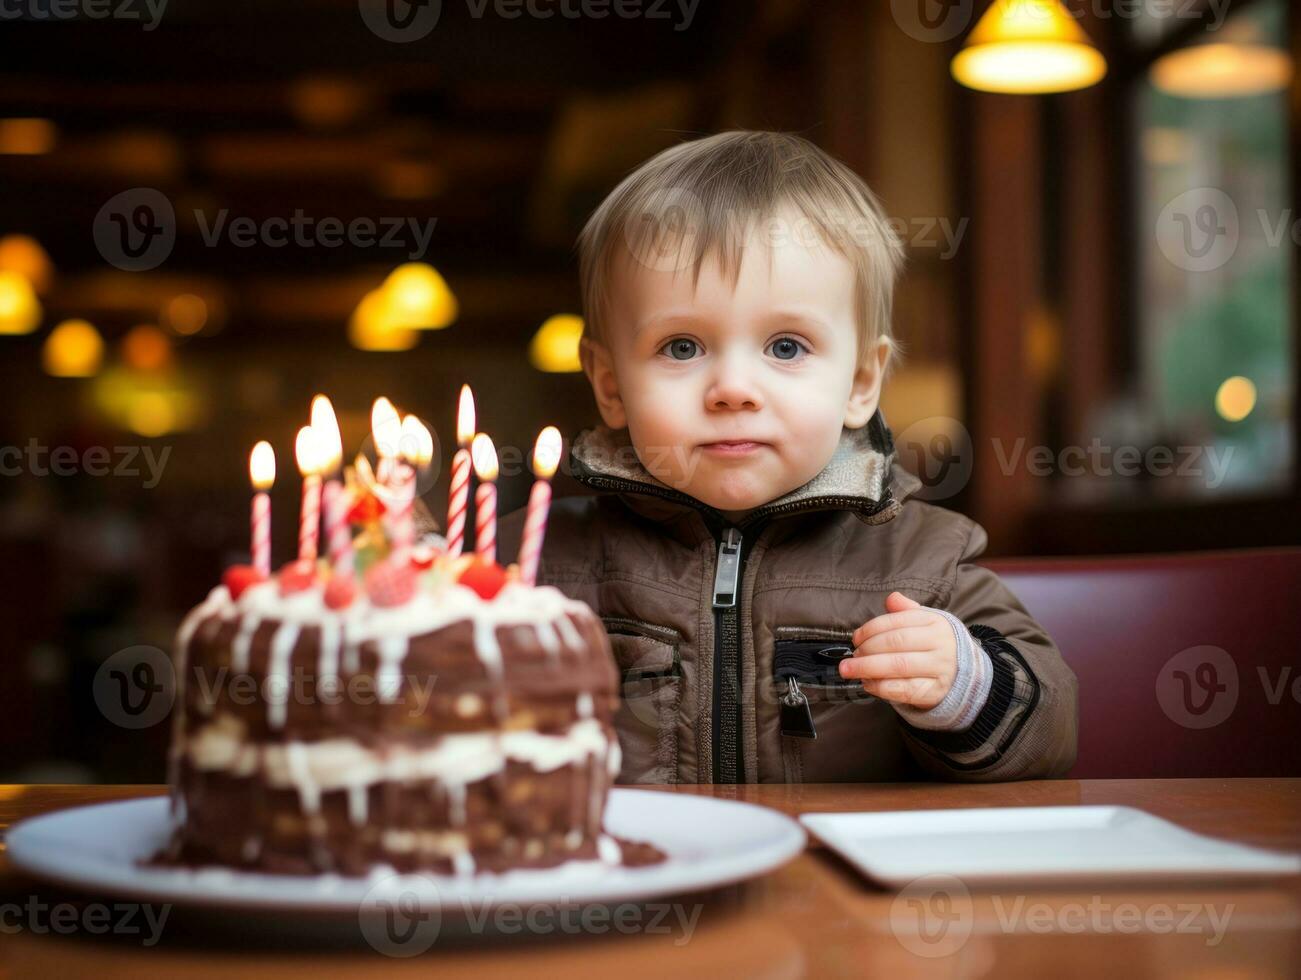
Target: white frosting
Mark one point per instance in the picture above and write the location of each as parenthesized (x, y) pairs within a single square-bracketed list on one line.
[(456, 759)]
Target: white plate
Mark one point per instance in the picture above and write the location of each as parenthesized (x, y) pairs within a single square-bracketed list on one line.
[(709, 843), (1037, 843)]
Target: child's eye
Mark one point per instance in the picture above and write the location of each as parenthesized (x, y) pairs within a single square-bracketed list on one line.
[(786, 348), (680, 349)]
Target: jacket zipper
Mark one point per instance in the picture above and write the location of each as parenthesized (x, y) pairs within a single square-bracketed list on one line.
[(725, 730)]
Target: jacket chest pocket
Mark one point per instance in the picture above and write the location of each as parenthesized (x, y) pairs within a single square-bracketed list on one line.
[(831, 729), (651, 694), (806, 672)]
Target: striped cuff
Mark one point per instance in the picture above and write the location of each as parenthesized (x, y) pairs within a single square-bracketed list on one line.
[(970, 690)]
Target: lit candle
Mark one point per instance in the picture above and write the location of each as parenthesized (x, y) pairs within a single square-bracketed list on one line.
[(546, 457), (485, 497), (307, 452), (459, 495), (262, 472), (416, 450), (386, 431), (338, 535)]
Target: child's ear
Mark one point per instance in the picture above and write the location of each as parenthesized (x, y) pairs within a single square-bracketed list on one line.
[(865, 394), (598, 365)]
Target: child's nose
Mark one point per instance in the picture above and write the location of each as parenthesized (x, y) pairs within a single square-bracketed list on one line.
[(733, 389)]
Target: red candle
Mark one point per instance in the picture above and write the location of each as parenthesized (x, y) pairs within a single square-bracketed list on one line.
[(262, 473), (459, 496), (338, 536), (416, 449), (546, 457), (485, 497), (307, 452), (386, 431)]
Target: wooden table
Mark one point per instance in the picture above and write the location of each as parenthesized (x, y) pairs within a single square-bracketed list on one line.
[(813, 917)]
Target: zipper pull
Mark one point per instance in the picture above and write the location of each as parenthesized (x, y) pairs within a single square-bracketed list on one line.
[(796, 715), (728, 569)]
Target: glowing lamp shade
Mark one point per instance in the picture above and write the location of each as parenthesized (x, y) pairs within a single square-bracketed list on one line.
[(373, 328), (1028, 47), (419, 298), (20, 311), (554, 347), (74, 349), (1223, 71)]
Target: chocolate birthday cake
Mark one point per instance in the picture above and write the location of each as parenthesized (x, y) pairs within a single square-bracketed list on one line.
[(425, 712)]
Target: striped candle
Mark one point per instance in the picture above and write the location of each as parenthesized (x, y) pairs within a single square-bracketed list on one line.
[(546, 456), (458, 498), (262, 473), (485, 497)]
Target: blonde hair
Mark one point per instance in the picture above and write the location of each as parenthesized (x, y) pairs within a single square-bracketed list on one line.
[(705, 198)]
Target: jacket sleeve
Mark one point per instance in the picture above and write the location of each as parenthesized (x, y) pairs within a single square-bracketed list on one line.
[(1027, 728)]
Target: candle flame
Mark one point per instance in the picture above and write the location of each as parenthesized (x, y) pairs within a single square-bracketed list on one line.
[(385, 427), (308, 452), (465, 417), (546, 453), (262, 466), (417, 442), (484, 456), (326, 425)]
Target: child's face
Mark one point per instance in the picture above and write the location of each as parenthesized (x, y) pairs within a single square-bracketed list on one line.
[(736, 393)]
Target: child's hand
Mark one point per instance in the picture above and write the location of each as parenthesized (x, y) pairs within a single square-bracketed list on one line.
[(908, 655)]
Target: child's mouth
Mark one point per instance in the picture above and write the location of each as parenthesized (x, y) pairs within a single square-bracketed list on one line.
[(732, 448)]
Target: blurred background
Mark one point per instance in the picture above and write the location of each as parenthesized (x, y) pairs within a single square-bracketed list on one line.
[(212, 211)]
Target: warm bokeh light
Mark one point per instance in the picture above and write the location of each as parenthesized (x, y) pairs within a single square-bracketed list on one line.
[(151, 414), (326, 424), (146, 348), (20, 310), (27, 137), (554, 347), (372, 328), (546, 453), (74, 349), (1028, 47), (418, 297), (1222, 71), (417, 442), (465, 417), (186, 314), (24, 255), (1235, 398), (262, 466), (484, 456)]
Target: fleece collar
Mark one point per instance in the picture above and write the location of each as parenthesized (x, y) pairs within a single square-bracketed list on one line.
[(862, 476)]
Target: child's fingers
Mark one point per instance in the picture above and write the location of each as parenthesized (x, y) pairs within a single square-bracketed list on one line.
[(891, 621), (898, 602), (899, 640), (910, 665)]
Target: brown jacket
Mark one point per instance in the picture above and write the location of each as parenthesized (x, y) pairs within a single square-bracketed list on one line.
[(710, 686)]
